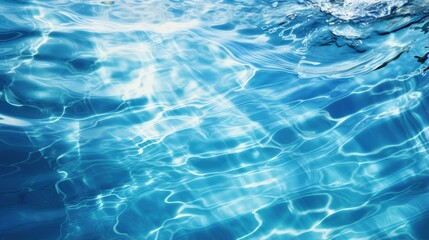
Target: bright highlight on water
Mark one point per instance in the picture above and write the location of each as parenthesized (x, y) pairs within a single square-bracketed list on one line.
[(199, 120)]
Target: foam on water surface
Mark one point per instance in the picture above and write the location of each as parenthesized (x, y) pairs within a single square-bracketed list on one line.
[(359, 9)]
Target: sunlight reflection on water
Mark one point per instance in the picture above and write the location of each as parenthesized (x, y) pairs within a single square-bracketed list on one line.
[(220, 120)]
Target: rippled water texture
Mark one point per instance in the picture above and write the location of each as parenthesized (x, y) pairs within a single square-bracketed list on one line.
[(247, 119)]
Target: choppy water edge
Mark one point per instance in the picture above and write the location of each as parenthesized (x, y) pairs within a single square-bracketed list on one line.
[(219, 120)]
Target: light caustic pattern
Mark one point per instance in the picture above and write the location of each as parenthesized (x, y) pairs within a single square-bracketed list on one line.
[(214, 119)]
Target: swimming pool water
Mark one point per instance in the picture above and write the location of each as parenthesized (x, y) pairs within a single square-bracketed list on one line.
[(221, 119)]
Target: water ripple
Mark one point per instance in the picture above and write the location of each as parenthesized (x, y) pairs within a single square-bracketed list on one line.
[(247, 119)]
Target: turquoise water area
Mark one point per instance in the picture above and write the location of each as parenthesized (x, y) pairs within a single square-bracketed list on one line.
[(221, 119)]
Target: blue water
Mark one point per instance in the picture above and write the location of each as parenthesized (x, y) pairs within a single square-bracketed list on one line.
[(247, 119)]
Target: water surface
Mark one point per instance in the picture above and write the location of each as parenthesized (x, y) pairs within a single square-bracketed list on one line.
[(247, 119)]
